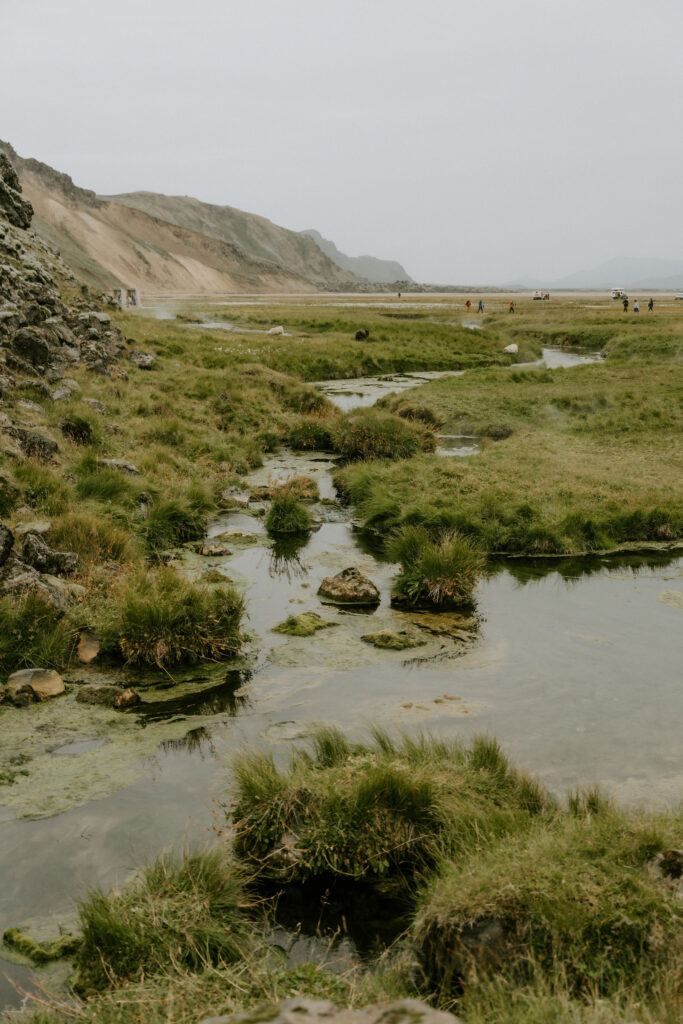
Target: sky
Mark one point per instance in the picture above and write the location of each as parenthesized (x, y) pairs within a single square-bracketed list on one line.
[(476, 142)]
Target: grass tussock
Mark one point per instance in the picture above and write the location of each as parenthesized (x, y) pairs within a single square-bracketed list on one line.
[(575, 893), (311, 434), (176, 521), (287, 515), (439, 571), (187, 915), (33, 634), (158, 618), (94, 538), (371, 434), (389, 810)]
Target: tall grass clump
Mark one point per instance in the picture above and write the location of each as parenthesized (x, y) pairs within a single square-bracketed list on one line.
[(93, 538), (158, 618), (440, 570), (33, 634), (311, 434), (572, 899), (372, 434), (175, 521), (388, 810), (287, 515), (186, 915), (42, 488)]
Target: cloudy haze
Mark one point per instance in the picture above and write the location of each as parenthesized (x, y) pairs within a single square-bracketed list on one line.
[(474, 142)]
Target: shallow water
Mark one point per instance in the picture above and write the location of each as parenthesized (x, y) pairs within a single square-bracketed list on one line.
[(558, 357), (362, 392), (574, 665)]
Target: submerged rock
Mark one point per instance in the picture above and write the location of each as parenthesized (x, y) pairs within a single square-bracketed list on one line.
[(349, 587), (305, 624), (213, 549), (313, 1011), (386, 640), (108, 695), (38, 683)]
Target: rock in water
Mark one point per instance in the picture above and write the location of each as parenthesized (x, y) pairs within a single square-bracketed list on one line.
[(312, 1011), (41, 683), (388, 641), (213, 549), (305, 624), (349, 587)]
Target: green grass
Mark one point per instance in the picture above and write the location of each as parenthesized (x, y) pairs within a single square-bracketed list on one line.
[(158, 618), (439, 571), (33, 634), (182, 914), (373, 434), (574, 893), (287, 515), (389, 810)]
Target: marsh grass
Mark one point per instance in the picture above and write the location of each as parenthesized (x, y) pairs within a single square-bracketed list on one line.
[(33, 634), (311, 434), (94, 538), (373, 434), (573, 893), (439, 571), (158, 618), (185, 915), (385, 811), (287, 515)]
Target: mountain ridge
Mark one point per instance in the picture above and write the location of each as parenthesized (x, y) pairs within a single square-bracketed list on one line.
[(373, 269)]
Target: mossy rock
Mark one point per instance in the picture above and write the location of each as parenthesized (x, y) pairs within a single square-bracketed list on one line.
[(305, 624), (386, 640)]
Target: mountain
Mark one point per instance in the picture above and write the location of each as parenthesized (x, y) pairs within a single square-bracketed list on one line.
[(372, 269), (627, 272), (170, 245)]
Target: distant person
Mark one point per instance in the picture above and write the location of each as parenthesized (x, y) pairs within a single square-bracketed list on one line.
[(468, 304), (480, 307), (399, 295), (511, 307), (636, 307), (651, 305), (624, 303)]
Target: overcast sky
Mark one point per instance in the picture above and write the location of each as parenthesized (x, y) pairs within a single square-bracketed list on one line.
[(475, 141)]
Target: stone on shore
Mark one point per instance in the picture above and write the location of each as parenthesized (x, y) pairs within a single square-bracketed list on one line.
[(38, 683)]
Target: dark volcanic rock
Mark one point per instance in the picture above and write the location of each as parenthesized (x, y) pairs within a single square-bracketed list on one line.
[(6, 542), (33, 444)]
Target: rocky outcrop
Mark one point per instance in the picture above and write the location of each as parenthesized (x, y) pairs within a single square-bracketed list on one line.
[(311, 1011), (349, 587), (16, 208), (36, 552)]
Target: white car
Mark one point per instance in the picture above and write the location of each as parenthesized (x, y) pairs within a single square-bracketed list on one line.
[(618, 293), (678, 295)]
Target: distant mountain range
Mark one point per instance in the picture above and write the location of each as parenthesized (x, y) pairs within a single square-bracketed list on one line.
[(620, 272), (372, 269), (174, 245)]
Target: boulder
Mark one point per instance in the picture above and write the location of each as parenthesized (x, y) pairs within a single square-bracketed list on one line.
[(96, 405), (313, 1011), (9, 494), (143, 360), (17, 579), (513, 349), (276, 330), (41, 683), (14, 207), (36, 552), (127, 699), (31, 345), (213, 549), (88, 647), (33, 444), (349, 587)]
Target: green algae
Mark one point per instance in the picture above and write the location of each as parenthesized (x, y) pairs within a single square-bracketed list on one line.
[(305, 624), (386, 640), (37, 953)]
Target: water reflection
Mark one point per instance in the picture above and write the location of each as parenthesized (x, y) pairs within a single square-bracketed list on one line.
[(285, 557), (195, 741), (210, 700), (574, 568)]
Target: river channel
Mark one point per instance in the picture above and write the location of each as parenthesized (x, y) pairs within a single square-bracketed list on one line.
[(573, 664)]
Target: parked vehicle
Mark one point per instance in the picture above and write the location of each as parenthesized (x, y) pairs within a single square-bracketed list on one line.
[(541, 295), (618, 293), (679, 295)]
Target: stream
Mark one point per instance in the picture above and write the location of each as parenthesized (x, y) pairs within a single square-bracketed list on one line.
[(573, 664)]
